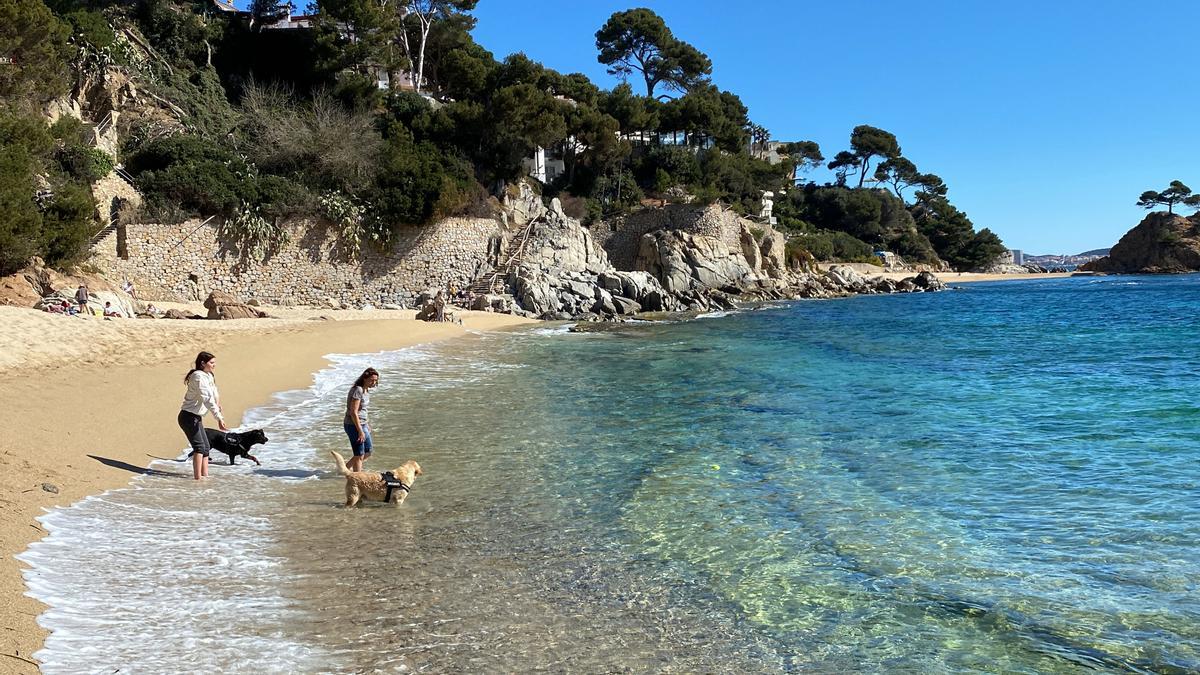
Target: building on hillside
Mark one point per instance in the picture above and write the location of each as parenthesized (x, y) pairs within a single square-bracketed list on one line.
[(768, 151), (889, 259), (1018, 256), (669, 138), (384, 80)]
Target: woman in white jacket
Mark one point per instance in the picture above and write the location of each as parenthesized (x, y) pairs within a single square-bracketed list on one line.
[(201, 397)]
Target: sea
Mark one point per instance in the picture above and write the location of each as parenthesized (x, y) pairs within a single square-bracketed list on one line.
[(1003, 478)]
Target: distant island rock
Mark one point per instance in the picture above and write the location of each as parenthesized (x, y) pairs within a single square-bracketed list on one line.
[(1163, 243)]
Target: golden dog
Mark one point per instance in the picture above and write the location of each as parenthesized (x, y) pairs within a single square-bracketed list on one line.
[(372, 486)]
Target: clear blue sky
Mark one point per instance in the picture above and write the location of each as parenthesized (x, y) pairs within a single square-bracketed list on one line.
[(1046, 119)]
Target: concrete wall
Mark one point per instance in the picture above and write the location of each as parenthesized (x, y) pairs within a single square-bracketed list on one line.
[(621, 237), (185, 261)]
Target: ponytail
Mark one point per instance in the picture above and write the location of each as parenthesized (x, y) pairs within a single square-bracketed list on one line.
[(201, 359)]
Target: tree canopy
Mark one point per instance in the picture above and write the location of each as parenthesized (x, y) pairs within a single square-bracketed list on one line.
[(639, 40), (1176, 193), (866, 143)]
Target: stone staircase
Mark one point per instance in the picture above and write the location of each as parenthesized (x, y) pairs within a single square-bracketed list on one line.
[(123, 174), (508, 261), (113, 224)]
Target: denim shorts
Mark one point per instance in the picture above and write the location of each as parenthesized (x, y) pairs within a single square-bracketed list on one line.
[(360, 449)]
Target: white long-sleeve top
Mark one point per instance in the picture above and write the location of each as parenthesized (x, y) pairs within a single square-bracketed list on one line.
[(201, 396)]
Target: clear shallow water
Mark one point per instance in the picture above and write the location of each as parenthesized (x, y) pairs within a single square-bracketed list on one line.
[(1002, 478)]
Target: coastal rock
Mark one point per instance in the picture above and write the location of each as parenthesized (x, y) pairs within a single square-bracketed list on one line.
[(221, 305), (750, 248), (1161, 243), (179, 314), (928, 281), (565, 274), (848, 279), (522, 204), (532, 290), (682, 262), (773, 250), (624, 306)]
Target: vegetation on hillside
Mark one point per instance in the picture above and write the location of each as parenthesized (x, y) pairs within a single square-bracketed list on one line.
[(281, 122)]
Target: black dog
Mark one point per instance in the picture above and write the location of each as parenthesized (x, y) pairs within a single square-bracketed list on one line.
[(236, 444)]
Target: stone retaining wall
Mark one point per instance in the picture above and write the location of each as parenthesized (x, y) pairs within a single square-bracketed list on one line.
[(621, 237), (307, 270)]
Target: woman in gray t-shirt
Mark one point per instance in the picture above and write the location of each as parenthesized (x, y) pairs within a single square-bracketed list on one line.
[(355, 422)]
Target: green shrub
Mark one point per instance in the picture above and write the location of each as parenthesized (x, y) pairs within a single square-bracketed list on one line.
[(829, 245), (86, 164), (67, 224), (91, 27), (797, 256), (418, 183), (176, 34), (20, 220), (252, 232), (58, 224), (188, 175), (278, 197), (69, 129)]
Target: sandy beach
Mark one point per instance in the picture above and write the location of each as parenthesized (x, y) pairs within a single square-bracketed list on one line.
[(87, 403)]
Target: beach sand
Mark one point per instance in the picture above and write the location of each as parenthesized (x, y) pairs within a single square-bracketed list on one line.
[(86, 404)]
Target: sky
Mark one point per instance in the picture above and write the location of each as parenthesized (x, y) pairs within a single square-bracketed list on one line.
[(1046, 119)]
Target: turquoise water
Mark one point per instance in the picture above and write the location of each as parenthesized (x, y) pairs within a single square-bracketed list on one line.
[(1003, 478)]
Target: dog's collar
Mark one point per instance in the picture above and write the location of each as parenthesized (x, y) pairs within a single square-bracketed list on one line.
[(393, 484)]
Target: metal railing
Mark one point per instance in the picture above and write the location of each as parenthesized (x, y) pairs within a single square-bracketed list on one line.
[(123, 174)]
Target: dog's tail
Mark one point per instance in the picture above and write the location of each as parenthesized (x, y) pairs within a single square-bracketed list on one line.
[(341, 462)]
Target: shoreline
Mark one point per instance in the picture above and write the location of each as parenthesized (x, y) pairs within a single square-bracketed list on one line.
[(973, 277), (88, 403)]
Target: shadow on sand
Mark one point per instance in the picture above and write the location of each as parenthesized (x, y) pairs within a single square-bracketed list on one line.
[(133, 468)]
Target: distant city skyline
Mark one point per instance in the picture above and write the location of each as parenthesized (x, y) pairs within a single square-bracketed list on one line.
[(1047, 120)]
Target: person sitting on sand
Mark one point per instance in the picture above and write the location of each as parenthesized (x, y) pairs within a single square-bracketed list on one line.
[(355, 421), (201, 397), (110, 311)]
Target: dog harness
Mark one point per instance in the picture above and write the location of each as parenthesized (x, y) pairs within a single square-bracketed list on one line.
[(392, 484)]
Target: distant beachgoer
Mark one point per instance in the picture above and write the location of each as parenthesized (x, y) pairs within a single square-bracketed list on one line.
[(128, 288), (81, 298), (201, 398), (355, 422), (110, 311), (439, 307)]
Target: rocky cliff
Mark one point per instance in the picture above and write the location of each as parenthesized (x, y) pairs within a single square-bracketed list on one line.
[(1161, 243), (565, 274)]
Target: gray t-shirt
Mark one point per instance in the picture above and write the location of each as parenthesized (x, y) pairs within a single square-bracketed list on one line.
[(363, 397)]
